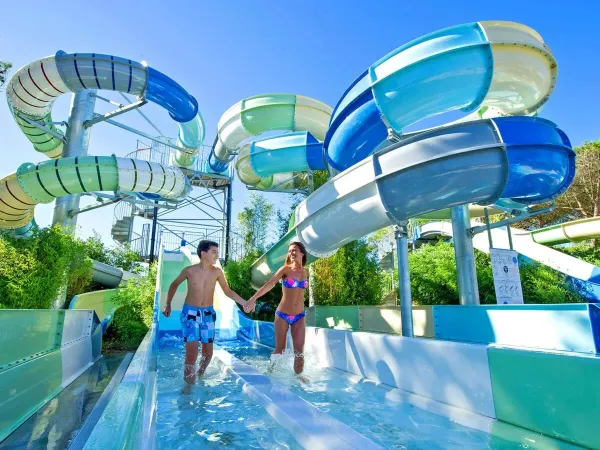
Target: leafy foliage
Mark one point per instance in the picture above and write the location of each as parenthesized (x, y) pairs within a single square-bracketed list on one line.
[(5, 66), (119, 256), (350, 277), (254, 222), (32, 270), (434, 282), (134, 316)]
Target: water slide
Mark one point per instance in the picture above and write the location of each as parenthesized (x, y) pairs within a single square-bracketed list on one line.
[(533, 245), (31, 92), (498, 73)]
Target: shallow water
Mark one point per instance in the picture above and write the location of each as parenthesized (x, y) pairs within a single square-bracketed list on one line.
[(388, 416), (212, 413)]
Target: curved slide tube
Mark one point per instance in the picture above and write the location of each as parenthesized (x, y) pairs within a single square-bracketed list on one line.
[(110, 276), (500, 68), (525, 243), (102, 302), (573, 231), (476, 162), (503, 67), (33, 89), (31, 93), (266, 113), (262, 161), (20, 192)]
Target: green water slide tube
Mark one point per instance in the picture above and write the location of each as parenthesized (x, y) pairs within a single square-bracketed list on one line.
[(32, 184), (263, 115)]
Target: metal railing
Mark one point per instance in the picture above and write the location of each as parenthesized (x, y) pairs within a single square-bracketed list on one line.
[(172, 238), (164, 154)]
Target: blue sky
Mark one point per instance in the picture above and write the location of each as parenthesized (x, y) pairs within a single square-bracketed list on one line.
[(223, 51)]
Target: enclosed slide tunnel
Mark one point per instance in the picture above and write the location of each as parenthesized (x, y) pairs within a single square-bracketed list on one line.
[(490, 69), (31, 92)]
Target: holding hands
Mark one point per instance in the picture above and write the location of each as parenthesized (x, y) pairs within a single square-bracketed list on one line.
[(250, 305)]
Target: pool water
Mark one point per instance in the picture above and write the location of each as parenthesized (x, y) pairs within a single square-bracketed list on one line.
[(388, 416), (212, 413), (56, 423)]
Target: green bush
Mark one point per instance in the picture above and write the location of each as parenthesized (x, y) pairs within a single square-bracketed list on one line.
[(350, 277), (587, 251), (239, 277), (120, 256), (433, 279), (134, 316), (33, 270)]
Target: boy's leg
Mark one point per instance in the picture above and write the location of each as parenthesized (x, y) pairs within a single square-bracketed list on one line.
[(298, 335), (191, 355), (207, 353), (207, 337)]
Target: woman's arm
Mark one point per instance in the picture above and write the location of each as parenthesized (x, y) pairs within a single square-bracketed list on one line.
[(269, 284)]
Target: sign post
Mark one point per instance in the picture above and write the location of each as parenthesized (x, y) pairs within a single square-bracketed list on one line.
[(507, 279)]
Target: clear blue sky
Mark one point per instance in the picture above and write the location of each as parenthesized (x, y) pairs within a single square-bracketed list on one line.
[(223, 51)]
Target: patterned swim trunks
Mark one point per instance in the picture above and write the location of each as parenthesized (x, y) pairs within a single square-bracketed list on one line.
[(198, 323)]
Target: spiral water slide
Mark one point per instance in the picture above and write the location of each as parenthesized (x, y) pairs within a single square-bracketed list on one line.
[(490, 70), (31, 93)]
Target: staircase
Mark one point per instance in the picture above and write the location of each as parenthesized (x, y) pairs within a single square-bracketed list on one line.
[(121, 229)]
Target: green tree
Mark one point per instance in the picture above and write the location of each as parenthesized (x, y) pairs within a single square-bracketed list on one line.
[(350, 277), (5, 66), (119, 256), (255, 220), (284, 215)]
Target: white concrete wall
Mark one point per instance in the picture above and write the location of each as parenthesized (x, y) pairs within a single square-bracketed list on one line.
[(449, 372)]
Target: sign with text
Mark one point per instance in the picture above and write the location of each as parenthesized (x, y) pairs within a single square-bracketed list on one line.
[(507, 280)]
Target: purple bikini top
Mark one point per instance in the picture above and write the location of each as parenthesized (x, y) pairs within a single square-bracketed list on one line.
[(292, 283)]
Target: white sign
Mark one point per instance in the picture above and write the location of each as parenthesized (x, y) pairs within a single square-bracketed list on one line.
[(507, 280)]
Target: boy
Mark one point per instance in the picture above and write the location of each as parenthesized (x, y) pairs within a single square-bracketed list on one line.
[(198, 315)]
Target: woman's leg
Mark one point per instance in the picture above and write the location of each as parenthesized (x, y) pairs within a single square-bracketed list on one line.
[(281, 329), (298, 334)]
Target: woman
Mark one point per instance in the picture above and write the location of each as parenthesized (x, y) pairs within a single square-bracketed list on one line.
[(290, 312)]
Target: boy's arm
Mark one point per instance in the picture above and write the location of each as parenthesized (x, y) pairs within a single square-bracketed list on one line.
[(172, 290), (228, 291)]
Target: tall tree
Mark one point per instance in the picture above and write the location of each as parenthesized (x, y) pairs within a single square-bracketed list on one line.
[(350, 277), (284, 215), (255, 220), (4, 68)]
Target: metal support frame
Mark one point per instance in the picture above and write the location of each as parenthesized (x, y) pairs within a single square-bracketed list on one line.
[(468, 290), (117, 112), (78, 211), (153, 234), (228, 222), (44, 128), (147, 136), (517, 218), (77, 142), (401, 235)]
